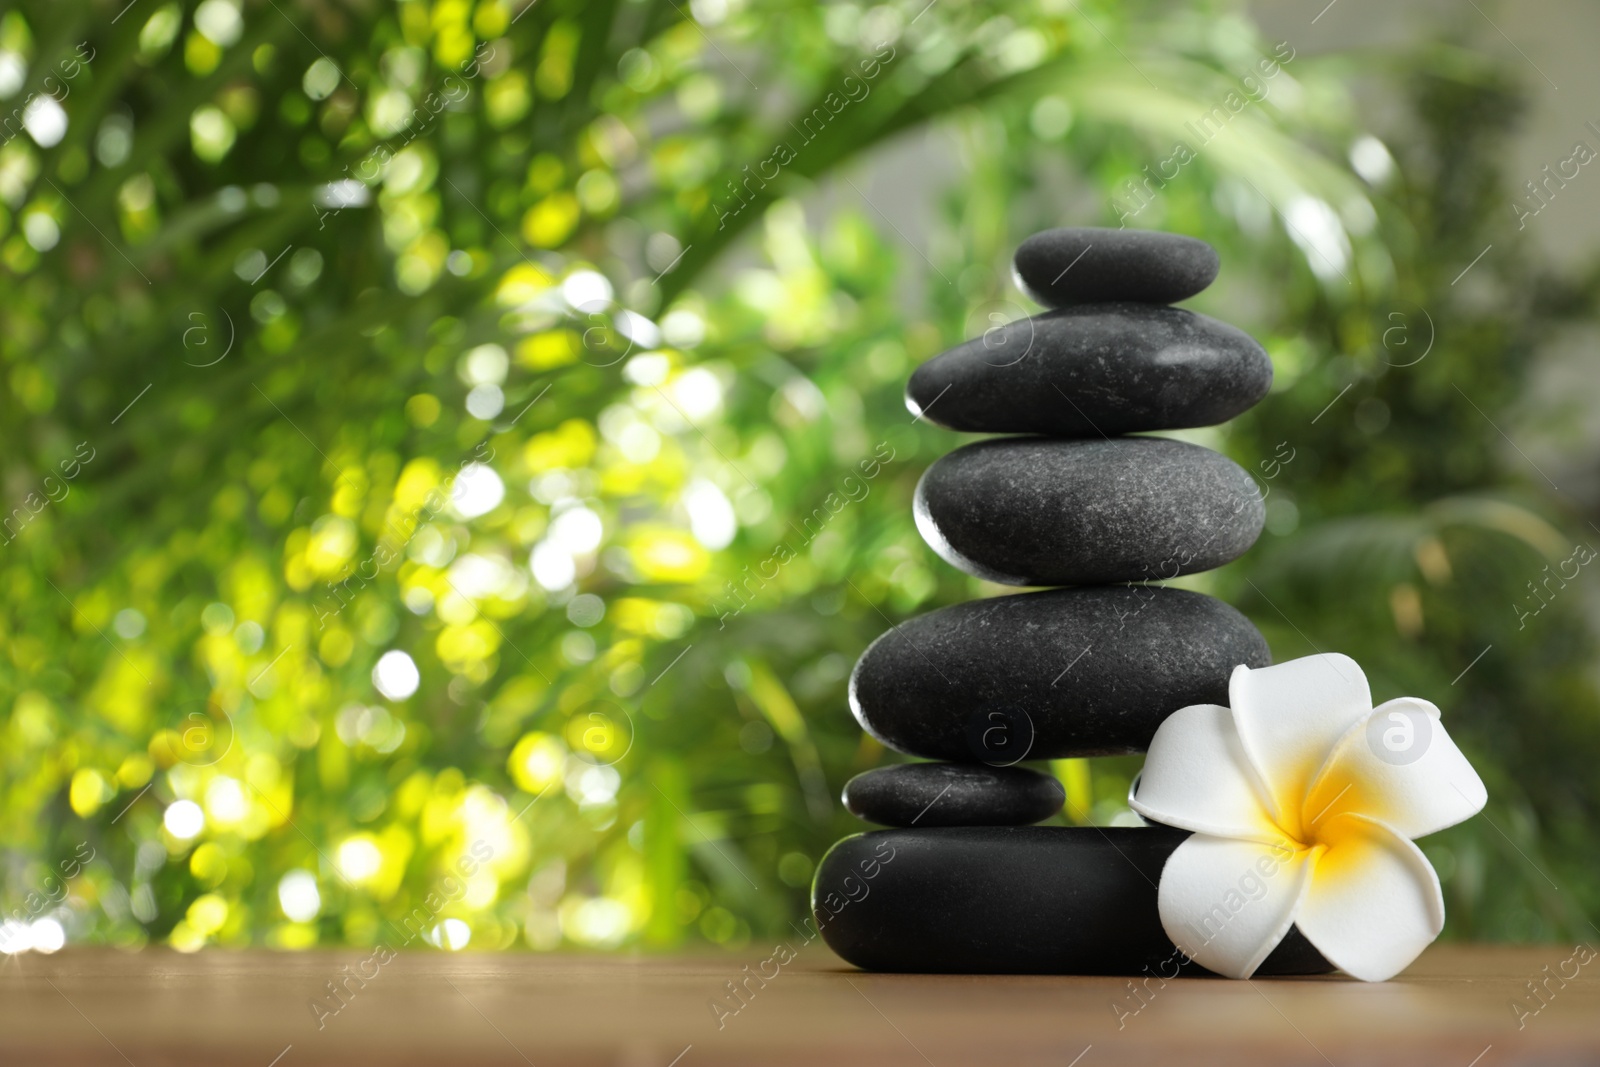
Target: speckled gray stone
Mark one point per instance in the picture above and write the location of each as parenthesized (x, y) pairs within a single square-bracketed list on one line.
[(1035, 511), (1063, 672), (1012, 900), (1094, 371), (1084, 265), (953, 794)]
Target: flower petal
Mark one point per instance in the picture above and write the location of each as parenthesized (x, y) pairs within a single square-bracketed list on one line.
[(1400, 767), (1226, 903), (1197, 777), (1373, 903), (1290, 716)]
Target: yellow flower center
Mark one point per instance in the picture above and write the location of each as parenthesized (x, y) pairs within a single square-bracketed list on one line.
[(1315, 826)]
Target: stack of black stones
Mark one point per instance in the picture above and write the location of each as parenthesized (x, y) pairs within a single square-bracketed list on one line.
[(1090, 670)]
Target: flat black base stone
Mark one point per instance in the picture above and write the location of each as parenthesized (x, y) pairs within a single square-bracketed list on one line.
[(1011, 900)]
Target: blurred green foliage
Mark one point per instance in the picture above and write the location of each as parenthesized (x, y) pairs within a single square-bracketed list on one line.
[(445, 436)]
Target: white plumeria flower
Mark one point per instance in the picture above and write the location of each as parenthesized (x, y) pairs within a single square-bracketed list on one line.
[(1303, 799)]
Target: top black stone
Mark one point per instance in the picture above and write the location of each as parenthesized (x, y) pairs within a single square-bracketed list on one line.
[(1085, 265)]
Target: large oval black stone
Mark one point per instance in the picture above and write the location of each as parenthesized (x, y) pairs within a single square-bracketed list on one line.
[(1094, 371), (1011, 900), (952, 794), (1036, 511), (1083, 265), (1064, 672)]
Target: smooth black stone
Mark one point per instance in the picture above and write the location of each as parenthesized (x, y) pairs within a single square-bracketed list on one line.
[(1063, 672), (1037, 511), (1095, 371), (953, 794), (1086, 265), (1011, 900)]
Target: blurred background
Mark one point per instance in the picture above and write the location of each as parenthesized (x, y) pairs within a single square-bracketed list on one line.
[(436, 434)]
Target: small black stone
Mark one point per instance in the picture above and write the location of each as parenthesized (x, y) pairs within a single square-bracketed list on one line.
[(1085, 265), (953, 794), (1037, 511), (1064, 672), (1011, 900), (1094, 371)]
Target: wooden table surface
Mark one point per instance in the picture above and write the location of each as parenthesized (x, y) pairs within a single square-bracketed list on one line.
[(1455, 1006)]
